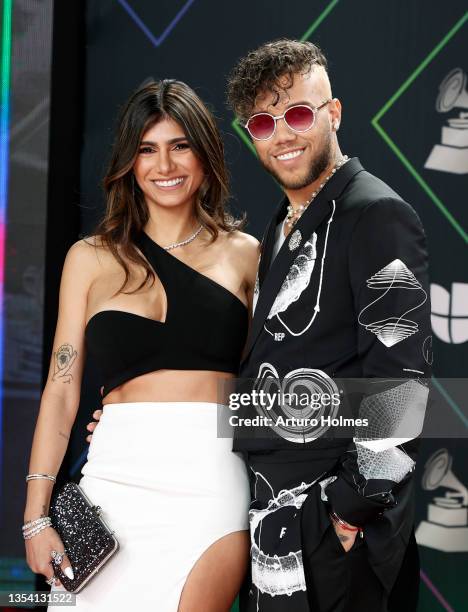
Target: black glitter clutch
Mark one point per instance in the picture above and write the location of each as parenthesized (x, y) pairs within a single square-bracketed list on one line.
[(88, 541)]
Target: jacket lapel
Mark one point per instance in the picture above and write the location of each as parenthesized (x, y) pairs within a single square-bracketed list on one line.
[(277, 272), (271, 278), (268, 242)]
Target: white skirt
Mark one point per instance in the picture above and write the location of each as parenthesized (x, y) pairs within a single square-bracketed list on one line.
[(169, 488)]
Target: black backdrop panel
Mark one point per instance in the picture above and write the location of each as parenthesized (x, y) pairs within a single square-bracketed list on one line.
[(387, 61)]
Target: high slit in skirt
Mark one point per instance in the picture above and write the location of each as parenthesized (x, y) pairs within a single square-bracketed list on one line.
[(169, 488)]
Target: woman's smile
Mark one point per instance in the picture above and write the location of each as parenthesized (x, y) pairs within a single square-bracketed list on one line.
[(169, 184)]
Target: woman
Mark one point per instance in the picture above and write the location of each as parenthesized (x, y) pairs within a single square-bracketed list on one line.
[(160, 296)]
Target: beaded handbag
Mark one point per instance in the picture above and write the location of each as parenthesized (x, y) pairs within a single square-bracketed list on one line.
[(88, 540)]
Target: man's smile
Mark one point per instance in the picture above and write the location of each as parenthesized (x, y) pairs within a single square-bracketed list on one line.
[(290, 154)]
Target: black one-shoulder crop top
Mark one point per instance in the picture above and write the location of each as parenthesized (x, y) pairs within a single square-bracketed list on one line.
[(205, 327)]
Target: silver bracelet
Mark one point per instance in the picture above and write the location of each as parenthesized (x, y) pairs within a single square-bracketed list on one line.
[(38, 476), (36, 529), (41, 519), (28, 534)]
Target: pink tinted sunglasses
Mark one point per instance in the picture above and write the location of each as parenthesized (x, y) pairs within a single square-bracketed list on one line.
[(298, 118)]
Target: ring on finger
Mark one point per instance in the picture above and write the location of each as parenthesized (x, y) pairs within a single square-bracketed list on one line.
[(57, 556), (51, 580)]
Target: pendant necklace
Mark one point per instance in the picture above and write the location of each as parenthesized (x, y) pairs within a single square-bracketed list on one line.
[(293, 215)]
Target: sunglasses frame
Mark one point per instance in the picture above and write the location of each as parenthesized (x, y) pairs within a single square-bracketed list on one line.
[(314, 110)]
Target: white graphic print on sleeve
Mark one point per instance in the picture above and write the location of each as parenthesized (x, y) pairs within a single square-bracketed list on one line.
[(394, 328), (393, 416)]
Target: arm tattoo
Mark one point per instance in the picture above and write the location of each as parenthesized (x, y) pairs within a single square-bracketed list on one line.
[(63, 361), (43, 514), (64, 435)]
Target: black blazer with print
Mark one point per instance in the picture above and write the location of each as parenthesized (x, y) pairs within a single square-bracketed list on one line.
[(347, 297)]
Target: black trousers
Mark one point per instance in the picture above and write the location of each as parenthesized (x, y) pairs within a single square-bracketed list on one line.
[(340, 581)]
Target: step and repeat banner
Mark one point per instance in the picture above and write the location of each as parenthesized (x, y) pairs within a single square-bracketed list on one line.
[(26, 57), (400, 70)]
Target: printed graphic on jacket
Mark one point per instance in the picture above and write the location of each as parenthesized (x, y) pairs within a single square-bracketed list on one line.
[(277, 570), (395, 327), (298, 279), (290, 416)]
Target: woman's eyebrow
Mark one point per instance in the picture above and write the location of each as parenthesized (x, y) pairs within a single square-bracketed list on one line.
[(171, 141)]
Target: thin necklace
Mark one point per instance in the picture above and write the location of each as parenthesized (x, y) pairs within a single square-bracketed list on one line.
[(293, 215), (183, 242)]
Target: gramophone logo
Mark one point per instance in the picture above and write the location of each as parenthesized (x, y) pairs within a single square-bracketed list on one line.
[(452, 154), (449, 316), (446, 527)]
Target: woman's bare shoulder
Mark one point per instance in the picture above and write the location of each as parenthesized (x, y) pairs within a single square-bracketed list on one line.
[(243, 244), (87, 256), (96, 242), (244, 251)]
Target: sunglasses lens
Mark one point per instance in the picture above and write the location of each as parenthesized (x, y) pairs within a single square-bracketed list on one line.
[(299, 118), (261, 126)]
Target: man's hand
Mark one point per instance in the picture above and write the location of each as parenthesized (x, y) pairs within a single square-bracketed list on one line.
[(346, 537), (345, 532), (93, 424)]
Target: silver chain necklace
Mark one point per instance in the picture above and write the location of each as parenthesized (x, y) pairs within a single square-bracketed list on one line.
[(183, 242), (293, 215)]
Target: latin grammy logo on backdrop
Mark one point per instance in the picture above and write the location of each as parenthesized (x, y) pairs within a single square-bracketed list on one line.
[(449, 317), (452, 154), (446, 527)]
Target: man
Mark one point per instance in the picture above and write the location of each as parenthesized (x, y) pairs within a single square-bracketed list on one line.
[(341, 294)]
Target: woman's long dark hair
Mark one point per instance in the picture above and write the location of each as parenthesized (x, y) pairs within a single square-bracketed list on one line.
[(126, 212)]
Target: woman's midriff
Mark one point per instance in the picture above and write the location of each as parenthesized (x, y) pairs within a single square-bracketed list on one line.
[(173, 386)]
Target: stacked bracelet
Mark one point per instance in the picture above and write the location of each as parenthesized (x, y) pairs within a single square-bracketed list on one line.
[(32, 528), (39, 476)]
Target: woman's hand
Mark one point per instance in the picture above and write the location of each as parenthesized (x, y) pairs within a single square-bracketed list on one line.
[(39, 557)]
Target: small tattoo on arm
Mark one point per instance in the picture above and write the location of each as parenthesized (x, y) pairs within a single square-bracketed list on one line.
[(43, 515), (64, 358), (64, 435)]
